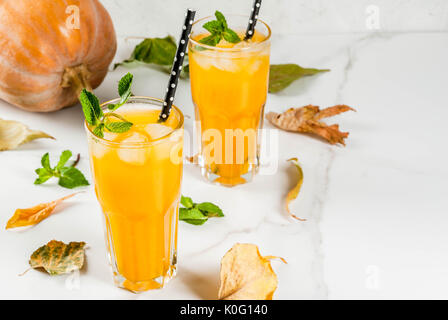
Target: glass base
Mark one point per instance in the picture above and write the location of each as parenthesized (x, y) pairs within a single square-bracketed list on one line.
[(141, 286), (136, 274), (229, 181)]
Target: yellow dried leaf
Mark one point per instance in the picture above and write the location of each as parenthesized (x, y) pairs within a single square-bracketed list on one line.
[(34, 215), (246, 275), (306, 120), (14, 133), (294, 192)]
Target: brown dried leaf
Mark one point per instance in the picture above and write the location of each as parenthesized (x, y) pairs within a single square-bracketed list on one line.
[(306, 120), (193, 159), (294, 192), (56, 257), (246, 275), (14, 133), (34, 215)]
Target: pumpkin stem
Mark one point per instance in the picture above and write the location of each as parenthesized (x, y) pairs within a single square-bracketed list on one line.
[(77, 78)]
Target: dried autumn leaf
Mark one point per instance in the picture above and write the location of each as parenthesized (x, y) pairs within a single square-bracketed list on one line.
[(56, 257), (246, 275), (193, 159), (34, 215), (294, 192), (306, 120), (14, 133)]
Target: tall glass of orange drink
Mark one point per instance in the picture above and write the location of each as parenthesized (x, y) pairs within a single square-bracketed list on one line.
[(229, 85), (137, 178)]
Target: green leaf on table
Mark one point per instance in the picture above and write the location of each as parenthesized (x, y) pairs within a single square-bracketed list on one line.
[(198, 214), (157, 53), (186, 202), (65, 156), (45, 161), (282, 75), (43, 174), (192, 216), (210, 209), (69, 177)]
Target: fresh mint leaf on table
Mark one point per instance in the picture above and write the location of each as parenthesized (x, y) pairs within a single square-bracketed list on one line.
[(69, 176), (282, 75), (198, 213), (219, 30), (99, 120), (157, 53)]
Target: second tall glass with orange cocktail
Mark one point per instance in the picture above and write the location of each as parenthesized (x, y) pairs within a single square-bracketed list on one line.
[(229, 84)]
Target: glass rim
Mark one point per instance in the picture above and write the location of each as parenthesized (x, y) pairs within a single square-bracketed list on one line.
[(233, 49), (147, 100)]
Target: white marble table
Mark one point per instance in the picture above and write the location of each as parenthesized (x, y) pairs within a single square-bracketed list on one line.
[(376, 209)]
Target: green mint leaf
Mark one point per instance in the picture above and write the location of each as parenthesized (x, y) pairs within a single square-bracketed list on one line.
[(124, 85), (282, 75), (231, 36), (115, 115), (211, 40), (90, 107), (210, 209), (220, 17), (45, 161), (214, 26), (192, 216), (43, 174), (124, 90), (219, 30), (186, 202), (198, 214), (69, 177), (72, 178), (196, 222), (118, 127), (99, 130), (67, 154)]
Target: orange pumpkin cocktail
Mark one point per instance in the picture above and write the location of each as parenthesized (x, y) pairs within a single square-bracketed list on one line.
[(137, 178), (229, 84)]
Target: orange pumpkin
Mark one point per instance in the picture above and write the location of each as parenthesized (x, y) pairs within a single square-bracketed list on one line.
[(51, 49)]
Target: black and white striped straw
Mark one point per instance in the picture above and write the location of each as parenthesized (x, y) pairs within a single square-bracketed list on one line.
[(177, 66), (253, 20)]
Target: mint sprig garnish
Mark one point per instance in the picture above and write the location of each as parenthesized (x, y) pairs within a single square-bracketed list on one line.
[(198, 213), (69, 176), (97, 118), (219, 30), (124, 90)]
